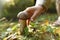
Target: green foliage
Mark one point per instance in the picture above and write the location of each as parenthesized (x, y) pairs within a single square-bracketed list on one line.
[(11, 11), (52, 7), (40, 31)]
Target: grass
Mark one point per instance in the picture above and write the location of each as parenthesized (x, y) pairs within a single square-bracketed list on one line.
[(40, 34)]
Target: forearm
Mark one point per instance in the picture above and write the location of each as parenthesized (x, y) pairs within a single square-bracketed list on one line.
[(58, 7), (37, 13)]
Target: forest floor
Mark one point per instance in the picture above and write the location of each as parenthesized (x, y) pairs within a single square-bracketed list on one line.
[(38, 30)]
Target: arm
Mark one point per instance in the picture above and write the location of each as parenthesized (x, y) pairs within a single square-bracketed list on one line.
[(37, 12)]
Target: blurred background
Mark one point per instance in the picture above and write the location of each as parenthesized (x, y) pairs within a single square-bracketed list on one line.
[(9, 21), (10, 8)]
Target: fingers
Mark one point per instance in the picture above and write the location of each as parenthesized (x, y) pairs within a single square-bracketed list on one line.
[(31, 19)]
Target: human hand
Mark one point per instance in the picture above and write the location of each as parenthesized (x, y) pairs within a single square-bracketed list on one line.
[(31, 19)]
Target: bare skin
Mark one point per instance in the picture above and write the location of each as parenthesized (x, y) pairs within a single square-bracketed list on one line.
[(58, 7), (33, 12), (57, 23)]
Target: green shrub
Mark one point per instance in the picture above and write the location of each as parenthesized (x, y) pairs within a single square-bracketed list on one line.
[(10, 11), (52, 8)]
